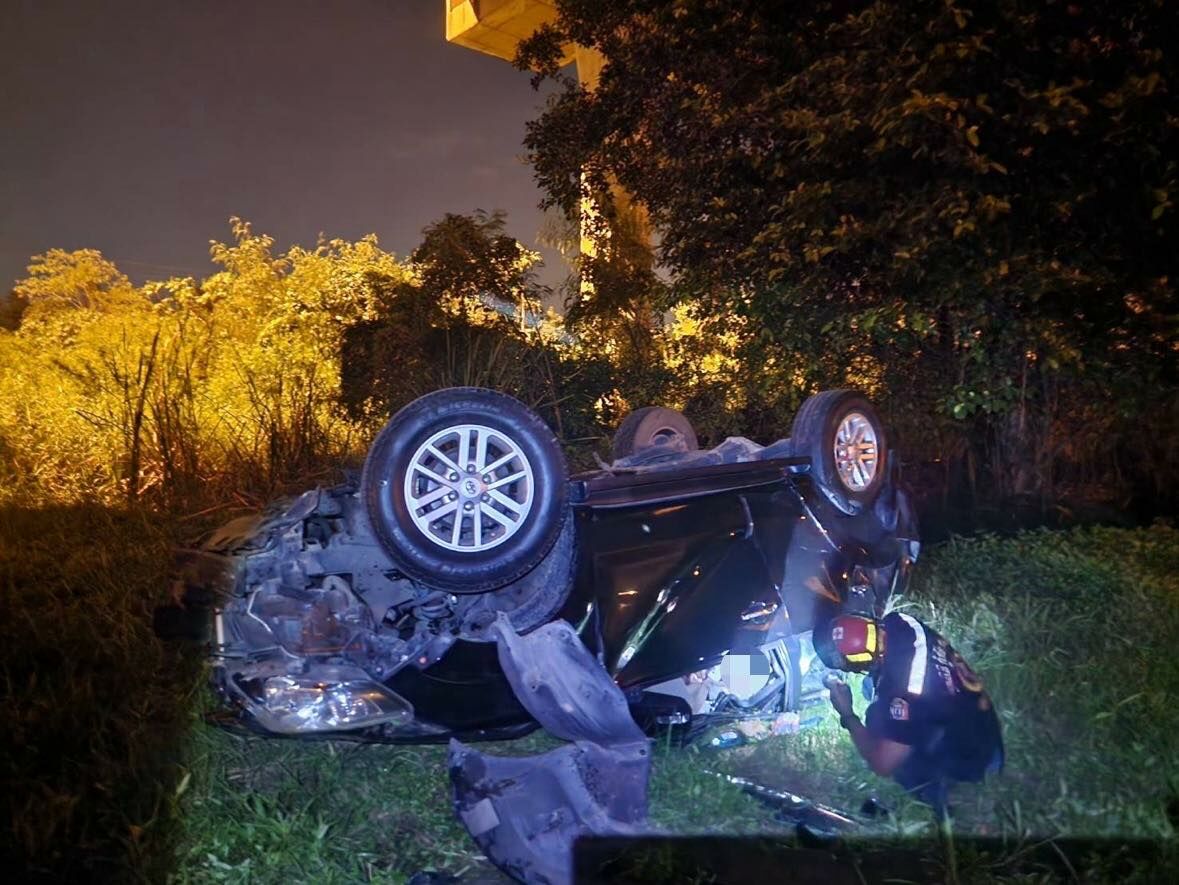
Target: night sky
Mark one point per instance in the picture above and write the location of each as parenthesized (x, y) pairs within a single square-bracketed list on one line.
[(139, 127)]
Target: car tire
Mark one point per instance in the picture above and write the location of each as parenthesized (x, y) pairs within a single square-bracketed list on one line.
[(510, 500), (530, 602), (651, 427), (826, 428)]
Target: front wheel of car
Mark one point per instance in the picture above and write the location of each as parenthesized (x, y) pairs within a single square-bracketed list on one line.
[(845, 439), (467, 489)]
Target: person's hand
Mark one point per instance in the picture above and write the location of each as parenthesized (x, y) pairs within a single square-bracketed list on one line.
[(841, 697)]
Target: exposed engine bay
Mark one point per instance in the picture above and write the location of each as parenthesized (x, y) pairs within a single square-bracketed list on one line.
[(313, 618)]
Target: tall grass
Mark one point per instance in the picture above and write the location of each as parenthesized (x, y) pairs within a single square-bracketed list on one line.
[(1072, 631), (184, 394), (182, 390)]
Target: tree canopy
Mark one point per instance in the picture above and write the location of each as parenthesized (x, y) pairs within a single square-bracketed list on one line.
[(970, 202)]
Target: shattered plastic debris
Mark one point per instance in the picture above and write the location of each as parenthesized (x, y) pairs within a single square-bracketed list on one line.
[(758, 729), (727, 739), (787, 723), (525, 813)]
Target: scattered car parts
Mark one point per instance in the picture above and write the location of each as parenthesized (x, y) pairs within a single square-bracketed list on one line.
[(525, 814)]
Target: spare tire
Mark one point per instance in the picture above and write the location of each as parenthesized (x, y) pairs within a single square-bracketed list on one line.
[(843, 436), (467, 489), (650, 427)]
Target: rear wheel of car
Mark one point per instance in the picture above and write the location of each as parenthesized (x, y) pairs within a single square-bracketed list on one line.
[(844, 437), (466, 489), (653, 427)]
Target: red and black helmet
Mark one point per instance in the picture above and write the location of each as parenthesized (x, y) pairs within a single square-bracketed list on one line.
[(849, 642)]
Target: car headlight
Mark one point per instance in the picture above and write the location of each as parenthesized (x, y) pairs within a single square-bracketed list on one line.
[(303, 704)]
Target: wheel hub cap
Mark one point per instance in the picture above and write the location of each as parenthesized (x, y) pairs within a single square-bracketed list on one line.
[(469, 488), (856, 451)]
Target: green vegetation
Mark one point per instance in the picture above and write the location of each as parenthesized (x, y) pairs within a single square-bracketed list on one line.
[(107, 772), (966, 208), (263, 810), (180, 392), (275, 368)]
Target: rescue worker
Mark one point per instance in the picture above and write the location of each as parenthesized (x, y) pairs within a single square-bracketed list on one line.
[(931, 721)]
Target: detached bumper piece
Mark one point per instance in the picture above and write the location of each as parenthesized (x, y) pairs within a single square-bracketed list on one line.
[(526, 813)]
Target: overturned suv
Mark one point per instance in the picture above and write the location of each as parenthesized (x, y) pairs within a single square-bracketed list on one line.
[(693, 577)]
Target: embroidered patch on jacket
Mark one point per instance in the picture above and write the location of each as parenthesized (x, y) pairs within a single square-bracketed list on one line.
[(899, 709)]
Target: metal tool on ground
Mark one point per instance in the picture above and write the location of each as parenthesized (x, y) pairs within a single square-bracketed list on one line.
[(795, 808)]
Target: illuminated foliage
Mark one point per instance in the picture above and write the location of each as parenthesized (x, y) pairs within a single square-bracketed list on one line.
[(111, 390), (273, 370), (66, 290)]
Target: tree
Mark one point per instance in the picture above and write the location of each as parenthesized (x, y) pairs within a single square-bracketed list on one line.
[(467, 262), (968, 205), (65, 290), (184, 387), (279, 323), (469, 315)]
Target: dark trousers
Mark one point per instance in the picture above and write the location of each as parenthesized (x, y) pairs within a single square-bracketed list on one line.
[(929, 772)]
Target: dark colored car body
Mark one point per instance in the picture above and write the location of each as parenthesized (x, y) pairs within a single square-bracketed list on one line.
[(686, 566), (674, 568), (666, 566), (674, 587)]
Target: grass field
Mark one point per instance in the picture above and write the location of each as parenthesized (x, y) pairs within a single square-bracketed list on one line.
[(108, 774)]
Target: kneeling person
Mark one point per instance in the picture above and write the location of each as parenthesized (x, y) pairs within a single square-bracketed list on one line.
[(931, 722)]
